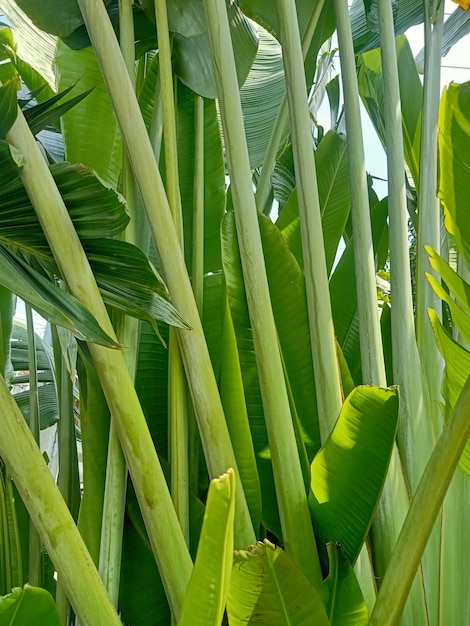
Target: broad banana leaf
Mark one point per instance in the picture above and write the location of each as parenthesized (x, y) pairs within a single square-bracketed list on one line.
[(30, 605), (266, 587), (8, 106), (349, 471)]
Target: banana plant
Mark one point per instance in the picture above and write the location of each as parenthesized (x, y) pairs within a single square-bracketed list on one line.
[(266, 437)]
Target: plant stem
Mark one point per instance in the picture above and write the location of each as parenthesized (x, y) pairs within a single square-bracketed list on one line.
[(157, 509), (429, 214), (52, 517), (327, 382), (209, 413), (34, 542), (293, 507), (422, 514), (269, 161)]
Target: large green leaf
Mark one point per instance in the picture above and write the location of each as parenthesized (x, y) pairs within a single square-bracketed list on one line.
[(48, 407), (58, 17), (341, 593), (454, 157), (90, 129), (192, 58), (332, 165), (53, 303), (268, 588), (349, 471), (261, 95), (370, 82), (30, 605), (204, 602), (407, 13), (33, 46), (456, 372), (95, 210)]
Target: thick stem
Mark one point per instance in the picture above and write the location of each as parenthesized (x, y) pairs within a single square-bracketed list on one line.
[(327, 381), (293, 507), (157, 509), (209, 413), (52, 517)]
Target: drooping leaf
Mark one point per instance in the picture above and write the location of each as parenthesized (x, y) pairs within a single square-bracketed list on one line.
[(340, 591), (30, 605), (128, 282), (204, 602), (267, 588), (454, 157), (349, 471), (95, 210), (53, 303)]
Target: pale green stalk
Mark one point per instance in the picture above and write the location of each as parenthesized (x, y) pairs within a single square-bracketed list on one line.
[(197, 273), (327, 381), (415, 431), (34, 542), (422, 514), (157, 509), (67, 479), (177, 388), (5, 554), (264, 183), (372, 358), (429, 212), (114, 500), (206, 400), (293, 507), (52, 518), (414, 426), (429, 233)]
